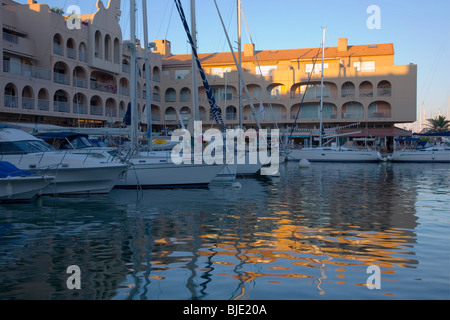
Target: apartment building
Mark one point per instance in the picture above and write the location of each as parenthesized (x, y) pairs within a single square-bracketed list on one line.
[(363, 88), (69, 76)]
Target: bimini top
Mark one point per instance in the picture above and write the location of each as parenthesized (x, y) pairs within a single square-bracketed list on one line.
[(433, 134)]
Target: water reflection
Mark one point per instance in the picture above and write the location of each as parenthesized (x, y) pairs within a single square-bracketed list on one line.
[(309, 233)]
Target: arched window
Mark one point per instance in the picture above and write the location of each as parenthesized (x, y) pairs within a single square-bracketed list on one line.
[(27, 98), (61, 101), (96, 106), (58, 44), (366, 89), (71, 49), (348, 90), (384, 89), (352, 110), (10, 96), (170, 95), (108, 48), (98, 44), (117, 54)]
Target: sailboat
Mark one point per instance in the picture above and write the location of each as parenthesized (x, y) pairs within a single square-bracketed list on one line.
[(332, 153), (155, 169), (415, 149)]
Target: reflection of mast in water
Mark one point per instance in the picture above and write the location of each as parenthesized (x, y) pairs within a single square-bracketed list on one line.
[(243, 278)]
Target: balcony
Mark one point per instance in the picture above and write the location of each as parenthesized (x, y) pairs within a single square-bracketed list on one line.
[(103, 87), (11, 101), (380, 115), (352, 115), (10, 38), (124, 91), (82, 56), (60, 106), (43, 105), (26, 70), (71, 53), (80, 82), (58, 49), (27, 103), (80, 109), (384, 92), (61, 78), (96, 111)]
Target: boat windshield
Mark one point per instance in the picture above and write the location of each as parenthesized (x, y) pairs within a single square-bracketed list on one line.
[(24, 147), (79, 142)]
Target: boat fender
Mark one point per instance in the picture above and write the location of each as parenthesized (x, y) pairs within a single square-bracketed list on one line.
[(380, 156), (304, 163), (236, 185)]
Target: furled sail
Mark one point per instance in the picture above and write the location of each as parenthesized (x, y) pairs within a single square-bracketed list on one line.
[(212, 101)]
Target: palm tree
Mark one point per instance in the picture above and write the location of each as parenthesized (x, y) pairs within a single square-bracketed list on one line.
[(438, 124)]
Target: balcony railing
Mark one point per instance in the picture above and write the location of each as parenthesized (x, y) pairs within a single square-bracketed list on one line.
[(27, 103), (61, 78), (380, 114), (352, 115), (26, 70), (384, 92), (103, 87), (60, 106), (10, 38), (58, 49), (82, 56), (96, 111), (80, 109), (80, 82), (156, 97), (71, 53), (43, 105), (110, 112), (11, 101), (124, 91)]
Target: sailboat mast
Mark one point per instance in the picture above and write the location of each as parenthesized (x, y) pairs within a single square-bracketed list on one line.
[(147, 76), (194, 65), (239, 61), (321, 86), (133, 93)]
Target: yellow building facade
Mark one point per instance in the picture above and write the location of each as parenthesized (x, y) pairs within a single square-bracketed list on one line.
[(361, 85)]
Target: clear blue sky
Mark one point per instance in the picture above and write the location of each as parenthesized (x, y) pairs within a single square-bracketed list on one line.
[(420, 30)]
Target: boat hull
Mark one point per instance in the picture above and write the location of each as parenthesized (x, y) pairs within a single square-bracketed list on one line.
[(147, 174), (333, 155), (18, 189), (438, 156), (74, 174)]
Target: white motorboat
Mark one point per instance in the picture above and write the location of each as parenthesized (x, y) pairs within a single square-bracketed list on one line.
[(17, 185), (417, 150), (74, 173)]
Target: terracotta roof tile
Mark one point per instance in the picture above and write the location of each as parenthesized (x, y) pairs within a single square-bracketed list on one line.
[(285, 54)]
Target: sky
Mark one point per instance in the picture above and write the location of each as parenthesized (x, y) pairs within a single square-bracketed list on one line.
[(419, 30)]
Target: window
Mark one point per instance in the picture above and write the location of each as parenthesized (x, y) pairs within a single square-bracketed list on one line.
[(364, 66), (181, 74), (219, 72), (317, 67), (265, 70)]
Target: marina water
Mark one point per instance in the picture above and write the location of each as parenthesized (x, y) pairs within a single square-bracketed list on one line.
[(311, 233)]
